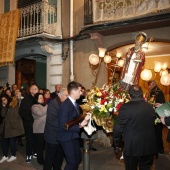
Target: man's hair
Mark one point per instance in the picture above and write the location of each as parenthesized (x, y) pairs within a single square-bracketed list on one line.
[(46, 90), (135, 91), (13, 85), (34, 85), (152, 82), (73, 85), (62, 90)]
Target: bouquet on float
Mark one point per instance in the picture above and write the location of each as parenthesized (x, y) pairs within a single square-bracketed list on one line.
[(104, 104)]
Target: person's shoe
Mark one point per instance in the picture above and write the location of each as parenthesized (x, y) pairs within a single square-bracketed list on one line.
[(4, 158), (121, 158), (12, 158), (28, 159), (34, 155)]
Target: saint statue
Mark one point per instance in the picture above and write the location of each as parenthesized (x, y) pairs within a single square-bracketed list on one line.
[(134, 61)]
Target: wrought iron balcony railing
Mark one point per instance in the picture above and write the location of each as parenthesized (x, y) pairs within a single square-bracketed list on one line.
[(98, 11), (38, 18)]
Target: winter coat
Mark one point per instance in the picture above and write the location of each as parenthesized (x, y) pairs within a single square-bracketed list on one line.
[(13, 123), (3, 113), (25, 110), (39, 114)]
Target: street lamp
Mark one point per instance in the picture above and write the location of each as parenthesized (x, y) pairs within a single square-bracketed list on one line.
[(159, 67)]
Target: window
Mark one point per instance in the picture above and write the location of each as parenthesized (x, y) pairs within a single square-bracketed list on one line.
[(6, 5), (53, 2)]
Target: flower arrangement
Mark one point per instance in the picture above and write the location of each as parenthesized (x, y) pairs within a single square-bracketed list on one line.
[(104, 104)]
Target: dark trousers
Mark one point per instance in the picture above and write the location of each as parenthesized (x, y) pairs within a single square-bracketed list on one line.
[(144, 162), (30, 139), (159, 141), (53, 156), (6, 143), (72, 153), (40, 143), (19, 138)]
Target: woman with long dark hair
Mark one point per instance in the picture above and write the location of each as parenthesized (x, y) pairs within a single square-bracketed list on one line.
[(39, 112), (12, 127)]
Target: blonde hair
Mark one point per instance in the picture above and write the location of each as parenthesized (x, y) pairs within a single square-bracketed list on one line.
[(14, 102)]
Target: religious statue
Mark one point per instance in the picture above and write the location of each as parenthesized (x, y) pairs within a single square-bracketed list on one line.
[(134, 61)]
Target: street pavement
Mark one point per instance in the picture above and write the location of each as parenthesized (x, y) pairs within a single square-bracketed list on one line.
[(102, 159)]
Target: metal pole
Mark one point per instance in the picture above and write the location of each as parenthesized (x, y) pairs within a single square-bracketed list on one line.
[(86, 154), (71, 42)]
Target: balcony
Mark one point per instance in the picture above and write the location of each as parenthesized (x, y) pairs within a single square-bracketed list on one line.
[(104, 14), (38, 18)]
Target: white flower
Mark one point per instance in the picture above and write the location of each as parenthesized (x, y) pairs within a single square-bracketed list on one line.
[(110, 109), (115, 110), (84, 100), (120, 100), (105, 103), (92, 107), (99, 100), (110, 101), (98, 105)]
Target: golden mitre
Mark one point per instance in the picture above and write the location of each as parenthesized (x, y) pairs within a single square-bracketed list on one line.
[(141, 37)]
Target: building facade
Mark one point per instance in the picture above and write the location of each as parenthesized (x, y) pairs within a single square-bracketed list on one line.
[(45, 36)]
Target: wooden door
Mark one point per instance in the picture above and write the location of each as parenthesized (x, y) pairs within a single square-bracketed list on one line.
[(25, 72)]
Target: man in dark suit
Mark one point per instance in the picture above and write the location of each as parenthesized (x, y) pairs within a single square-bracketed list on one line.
[(56, 92), (53, 152), (159, 97), (136, 124), (69, 139)]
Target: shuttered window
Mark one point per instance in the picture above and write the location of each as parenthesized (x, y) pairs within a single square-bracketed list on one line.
[(6, 5)]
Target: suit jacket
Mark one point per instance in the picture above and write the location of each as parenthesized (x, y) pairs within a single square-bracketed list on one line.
[(51, 126), (136, 123), (67, 112), (53, 95), (167, 122)]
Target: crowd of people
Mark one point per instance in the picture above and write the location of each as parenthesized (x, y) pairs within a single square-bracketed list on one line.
[(40, 116), (35, 115)]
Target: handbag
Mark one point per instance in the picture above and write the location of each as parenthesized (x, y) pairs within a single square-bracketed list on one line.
[(90, 128)]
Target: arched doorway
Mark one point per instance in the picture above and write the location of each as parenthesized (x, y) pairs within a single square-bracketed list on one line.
[(31, 69), (154, 51)]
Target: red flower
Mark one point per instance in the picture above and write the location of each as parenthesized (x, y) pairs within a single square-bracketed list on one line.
[(103, 101), (119, 106)]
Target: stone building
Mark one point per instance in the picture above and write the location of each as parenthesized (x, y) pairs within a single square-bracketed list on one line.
[(56, 38)]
